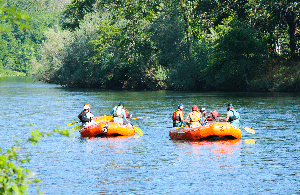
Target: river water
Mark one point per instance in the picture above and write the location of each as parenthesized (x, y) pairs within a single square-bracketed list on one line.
[(266, 162)]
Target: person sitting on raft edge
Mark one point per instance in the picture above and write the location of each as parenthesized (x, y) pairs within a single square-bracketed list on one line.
[(121, 115), (86, 117), (232, 116), (194, 116), (177, 116)]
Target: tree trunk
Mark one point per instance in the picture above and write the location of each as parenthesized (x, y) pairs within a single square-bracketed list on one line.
[(187, 28), (291, 19)]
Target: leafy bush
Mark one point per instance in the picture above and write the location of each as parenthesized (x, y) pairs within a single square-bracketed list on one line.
[(14, 178)]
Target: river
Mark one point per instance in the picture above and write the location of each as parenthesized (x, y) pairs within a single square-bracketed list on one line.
[(266, 162)]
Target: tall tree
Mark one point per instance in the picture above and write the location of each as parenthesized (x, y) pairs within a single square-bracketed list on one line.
[(277, 21), (75, 11)]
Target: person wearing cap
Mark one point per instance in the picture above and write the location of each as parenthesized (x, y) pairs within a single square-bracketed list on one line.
[(194, 116), (86, 117), (203, 118), (178, 116), (120, 114), (232, 116)]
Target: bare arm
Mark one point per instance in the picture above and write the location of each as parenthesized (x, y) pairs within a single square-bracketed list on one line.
[(227, 117), (187, 117)]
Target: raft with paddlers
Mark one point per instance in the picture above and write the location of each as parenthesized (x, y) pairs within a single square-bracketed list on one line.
[(210, 130), (104, 126)]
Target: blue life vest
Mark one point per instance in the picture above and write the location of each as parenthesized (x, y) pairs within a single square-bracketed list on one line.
[(234, 116)]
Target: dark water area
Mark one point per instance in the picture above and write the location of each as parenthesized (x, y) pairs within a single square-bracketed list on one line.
[(266, 162)]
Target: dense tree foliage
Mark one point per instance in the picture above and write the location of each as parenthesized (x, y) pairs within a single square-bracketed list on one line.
[(156, 44), (20, 46)]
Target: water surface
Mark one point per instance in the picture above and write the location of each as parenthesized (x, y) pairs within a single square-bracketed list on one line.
[(264, 163)]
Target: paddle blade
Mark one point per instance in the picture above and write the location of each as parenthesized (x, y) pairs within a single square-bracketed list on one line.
[(69, 124), (139, 131), (178, 127), (138, 117), (249, 130)]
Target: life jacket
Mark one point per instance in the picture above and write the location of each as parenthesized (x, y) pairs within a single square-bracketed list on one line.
[(86, 116), (175, 116), (127, 113), (212, 115), (215, 114), (195, 116), (234, 115)]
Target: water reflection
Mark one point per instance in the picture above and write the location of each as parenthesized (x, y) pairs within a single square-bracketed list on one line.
[(220, 153), (249, 141)]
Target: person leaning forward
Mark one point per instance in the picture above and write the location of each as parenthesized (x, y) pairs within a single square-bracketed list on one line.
[(232, 116), (194, 116), (178, 116), (120, 114), (85, 116)]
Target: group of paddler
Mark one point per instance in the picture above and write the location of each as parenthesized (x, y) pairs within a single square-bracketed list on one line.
[(120, 114), (197, 118), (193, 119)]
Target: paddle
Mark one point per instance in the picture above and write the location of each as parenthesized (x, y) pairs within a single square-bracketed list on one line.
[(249, 130), (94, 118), (69, 124), (138, 130), (138, 117)]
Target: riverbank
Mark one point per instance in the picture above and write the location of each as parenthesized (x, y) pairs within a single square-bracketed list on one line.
[(277, 76)]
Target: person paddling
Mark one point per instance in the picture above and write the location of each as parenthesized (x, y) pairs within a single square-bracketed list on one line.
[(120, 114), (178, 116), (86, 117), (232, 116), (194, 116)]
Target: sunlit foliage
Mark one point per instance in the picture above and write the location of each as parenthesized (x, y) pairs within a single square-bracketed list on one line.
[(153, 44)]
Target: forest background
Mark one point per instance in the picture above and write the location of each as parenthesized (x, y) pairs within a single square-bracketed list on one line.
[(204, 45)]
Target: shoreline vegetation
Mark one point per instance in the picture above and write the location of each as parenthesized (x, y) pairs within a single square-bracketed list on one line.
[(283, 76), (154, 45), (11, 73)]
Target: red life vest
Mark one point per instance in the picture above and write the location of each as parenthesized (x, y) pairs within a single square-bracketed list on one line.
[(212, 115), (215, 113)]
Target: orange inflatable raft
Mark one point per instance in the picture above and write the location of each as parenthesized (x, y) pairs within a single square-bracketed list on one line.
[(105, 127), (210, 130)]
